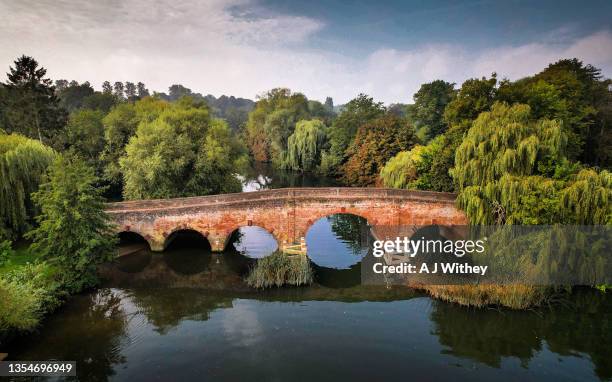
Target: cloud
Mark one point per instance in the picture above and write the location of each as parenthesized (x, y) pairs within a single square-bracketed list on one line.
[(394, 75), (241, 48)]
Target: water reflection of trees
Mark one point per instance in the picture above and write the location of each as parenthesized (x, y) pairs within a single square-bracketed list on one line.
[(352, 230), (583, 326), (91, 330), (262, 176), (167, 308)]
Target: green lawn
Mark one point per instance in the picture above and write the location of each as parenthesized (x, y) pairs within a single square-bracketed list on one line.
[(21, 256)]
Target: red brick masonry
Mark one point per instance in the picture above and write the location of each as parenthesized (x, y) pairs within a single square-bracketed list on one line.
[(286, 213)]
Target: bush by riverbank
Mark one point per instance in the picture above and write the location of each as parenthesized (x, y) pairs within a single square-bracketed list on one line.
[(28, 290), (280, 269)]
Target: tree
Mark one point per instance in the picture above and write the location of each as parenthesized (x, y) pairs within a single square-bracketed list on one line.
[(103, 102), (329, 104), (181, 153), (429, 105), (412, 169), (178, 91), (575, 94), (319, 111), (107, 88), (375, 143), (512, 169), (474, 97), (142, 90), (356, 113), (305, 145), (272, 122), (73, 230), (130, 91), (23, 162), (85, 136), (61, 85), (118, 90), (32, 109), (119, 126), (73, 95)]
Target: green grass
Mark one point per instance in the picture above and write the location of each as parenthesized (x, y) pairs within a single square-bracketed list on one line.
[(20, 256)]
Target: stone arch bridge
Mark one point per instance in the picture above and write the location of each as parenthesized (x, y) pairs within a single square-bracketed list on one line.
[(286, 213)]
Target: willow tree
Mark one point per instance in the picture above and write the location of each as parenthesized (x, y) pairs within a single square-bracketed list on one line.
[(413, 169), (588, 197), (304, 146), (23, 162), (272, 121), (511, 169)]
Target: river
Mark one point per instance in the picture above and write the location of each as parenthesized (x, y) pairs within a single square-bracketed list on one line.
[(185, 314)]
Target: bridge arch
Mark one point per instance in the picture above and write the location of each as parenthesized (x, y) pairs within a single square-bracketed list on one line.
[(338, 240), (258, 240), (171, 236), (129, 241), (339, 211)]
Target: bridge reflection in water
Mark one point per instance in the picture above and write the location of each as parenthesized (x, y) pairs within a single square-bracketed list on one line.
[(336, 247)]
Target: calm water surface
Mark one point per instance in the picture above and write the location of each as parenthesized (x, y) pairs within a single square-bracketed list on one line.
[(185, 314)]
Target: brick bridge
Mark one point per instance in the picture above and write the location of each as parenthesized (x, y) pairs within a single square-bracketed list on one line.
[(286, 213)]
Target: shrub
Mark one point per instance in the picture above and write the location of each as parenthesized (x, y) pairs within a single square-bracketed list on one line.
[(5, 252), (26, 294)]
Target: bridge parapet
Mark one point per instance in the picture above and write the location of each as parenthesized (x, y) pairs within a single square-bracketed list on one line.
[(286, 213)]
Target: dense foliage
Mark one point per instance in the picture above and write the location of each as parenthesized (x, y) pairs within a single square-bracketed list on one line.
[(412, 169), (29, 104), (305, 145), (272, 122), (23, 162), (355, 114), (429, 105), (181, 152), (375, 143), (512, 169), (74, 232)]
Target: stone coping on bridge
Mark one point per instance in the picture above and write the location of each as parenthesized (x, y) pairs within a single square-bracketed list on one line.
[(299, 193)]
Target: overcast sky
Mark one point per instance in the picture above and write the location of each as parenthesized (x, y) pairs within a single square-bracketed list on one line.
[(321, 48)]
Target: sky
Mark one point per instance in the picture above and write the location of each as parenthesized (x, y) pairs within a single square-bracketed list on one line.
[(386, 49)]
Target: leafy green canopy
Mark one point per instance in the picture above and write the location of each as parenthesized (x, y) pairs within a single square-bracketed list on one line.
[(120, 125), (429, 105), (85, 136), (511, 169), (23, 162), (575, 94), (74, 232), (356, 113), (375, 143), (304, 146), (272, 122), (181, 152), (412, 169)]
